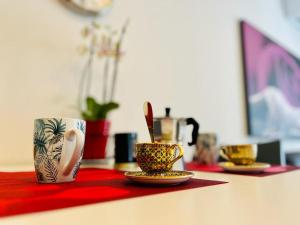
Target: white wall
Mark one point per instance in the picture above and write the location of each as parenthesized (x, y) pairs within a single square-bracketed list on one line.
[(179, 53)]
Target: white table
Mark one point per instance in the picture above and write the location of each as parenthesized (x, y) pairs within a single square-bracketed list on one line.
[(245, 200)]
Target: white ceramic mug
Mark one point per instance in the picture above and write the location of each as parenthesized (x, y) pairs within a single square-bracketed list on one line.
[(58, 148)]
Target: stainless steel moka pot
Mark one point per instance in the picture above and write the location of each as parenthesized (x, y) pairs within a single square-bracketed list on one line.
[(174, 131)]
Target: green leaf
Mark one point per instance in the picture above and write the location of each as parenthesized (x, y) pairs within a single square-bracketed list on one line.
[(91, 104), (96, 111), (105, 108)]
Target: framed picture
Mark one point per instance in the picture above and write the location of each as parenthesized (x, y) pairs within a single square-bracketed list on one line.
[(272, 84)]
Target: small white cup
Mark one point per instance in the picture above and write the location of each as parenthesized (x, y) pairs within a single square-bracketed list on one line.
[(58, 148)]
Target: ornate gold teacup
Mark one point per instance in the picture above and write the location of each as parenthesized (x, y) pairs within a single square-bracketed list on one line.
[(244, 154), (157, 157)]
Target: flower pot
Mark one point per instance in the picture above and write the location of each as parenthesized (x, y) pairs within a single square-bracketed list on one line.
[(97, 133)]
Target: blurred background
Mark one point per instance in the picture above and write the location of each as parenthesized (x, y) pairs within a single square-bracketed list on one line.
[(182, 54)]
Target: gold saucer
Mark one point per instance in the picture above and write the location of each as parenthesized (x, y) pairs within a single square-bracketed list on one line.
[(126, 166), (167, 178), (253, 168)]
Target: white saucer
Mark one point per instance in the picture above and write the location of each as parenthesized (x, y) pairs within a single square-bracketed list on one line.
[(167, 178), (253, 168)]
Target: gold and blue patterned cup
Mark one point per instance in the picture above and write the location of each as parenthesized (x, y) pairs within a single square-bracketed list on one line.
[(58, 148), (243, 154), (157, 157)]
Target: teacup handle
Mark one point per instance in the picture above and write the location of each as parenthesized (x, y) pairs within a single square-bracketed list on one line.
[(222, 153), (70, 135), (181, 151)]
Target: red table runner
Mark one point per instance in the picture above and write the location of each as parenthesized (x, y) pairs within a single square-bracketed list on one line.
[(19, 192), (274, 169)]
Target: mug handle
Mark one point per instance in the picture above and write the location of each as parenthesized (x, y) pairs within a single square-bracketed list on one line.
[(222, 153), (181, 151), (70, 135)]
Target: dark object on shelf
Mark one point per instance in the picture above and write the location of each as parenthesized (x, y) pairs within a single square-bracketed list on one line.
[(270, 152), (125, 147), (293, 158)]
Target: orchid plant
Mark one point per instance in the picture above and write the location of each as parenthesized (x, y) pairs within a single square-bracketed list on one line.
[(104, 44)]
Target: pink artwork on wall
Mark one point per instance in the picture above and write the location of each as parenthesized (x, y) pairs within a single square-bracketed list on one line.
[(272, 81)]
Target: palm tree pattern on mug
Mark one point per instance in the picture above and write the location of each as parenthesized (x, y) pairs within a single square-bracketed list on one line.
[(56, 129), (81, 126), (48, 144)]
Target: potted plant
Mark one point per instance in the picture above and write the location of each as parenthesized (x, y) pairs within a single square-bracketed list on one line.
[(102, 43)]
